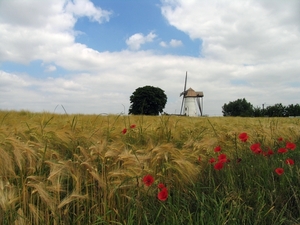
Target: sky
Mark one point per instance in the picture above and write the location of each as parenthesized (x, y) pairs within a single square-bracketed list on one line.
[(89, 56)]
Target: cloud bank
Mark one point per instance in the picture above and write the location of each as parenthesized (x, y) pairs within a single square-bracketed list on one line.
[(250, 49)]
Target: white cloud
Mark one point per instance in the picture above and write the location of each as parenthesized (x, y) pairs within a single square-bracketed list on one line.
[(163, 44), (173, 43), (45, 35), (250, 49), (135, 41), (239, 31), (50, 68), (82, 8)]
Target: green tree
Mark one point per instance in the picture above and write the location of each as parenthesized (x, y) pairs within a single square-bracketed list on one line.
[(239, 107), (147, 100), (257, 112), (293, 110), (277, 110)]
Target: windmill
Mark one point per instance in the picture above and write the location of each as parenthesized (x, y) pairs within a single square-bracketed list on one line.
[(189, 100)]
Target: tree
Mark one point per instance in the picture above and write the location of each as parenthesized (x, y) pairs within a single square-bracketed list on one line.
[(239, 107), (293, 110), (147, 100), (277, 110), (258, 112)]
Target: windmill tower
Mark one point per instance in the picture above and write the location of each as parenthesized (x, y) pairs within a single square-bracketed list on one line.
[(191, 101)]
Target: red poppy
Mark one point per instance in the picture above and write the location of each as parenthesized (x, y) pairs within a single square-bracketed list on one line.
[(280, 139), (148, 180), (163, 194), (289, 162), (199, 159), (222, 158), (217, 149), (270, 152), (212, 160), (290, 145), (243, 137), (132, 126), (256, 148), (218, 165), (279, 171), (282, 150), (161, 186), (124, 131)]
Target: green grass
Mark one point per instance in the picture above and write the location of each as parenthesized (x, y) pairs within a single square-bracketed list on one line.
[(81, 169)]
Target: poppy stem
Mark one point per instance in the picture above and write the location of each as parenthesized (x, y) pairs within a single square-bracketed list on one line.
[(235, 143)]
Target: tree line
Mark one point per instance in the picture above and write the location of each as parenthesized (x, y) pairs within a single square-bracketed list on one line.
[(241, 107), (149, 100)]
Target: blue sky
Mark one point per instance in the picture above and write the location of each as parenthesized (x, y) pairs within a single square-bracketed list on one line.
[(90, 56), (131, 17)]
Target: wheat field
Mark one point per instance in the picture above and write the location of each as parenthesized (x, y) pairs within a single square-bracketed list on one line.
[(88, 169)]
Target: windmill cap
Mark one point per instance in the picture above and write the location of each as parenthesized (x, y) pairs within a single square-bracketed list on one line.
[(191, 93)]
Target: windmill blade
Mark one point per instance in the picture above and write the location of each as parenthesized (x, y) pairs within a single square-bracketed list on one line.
[(198, 103), (185, 82), (183, 93), (184, 89), (181, 105)]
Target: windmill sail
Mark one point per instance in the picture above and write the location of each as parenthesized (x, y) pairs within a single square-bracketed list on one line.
[(199, 105), (183, 93)]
